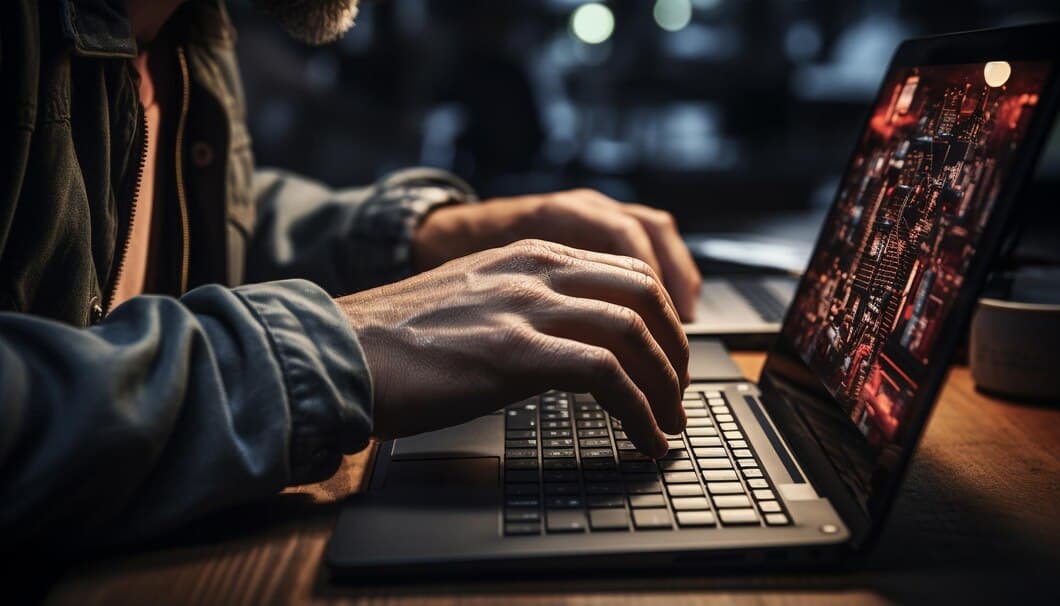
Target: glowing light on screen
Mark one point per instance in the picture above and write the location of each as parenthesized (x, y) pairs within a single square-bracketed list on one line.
[(673, 15), (996, 73), (592, 23)]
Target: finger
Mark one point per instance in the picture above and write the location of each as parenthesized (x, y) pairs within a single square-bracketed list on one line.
[(679, 271), (641, 292), (568, 365), (621, 262), (622, 332)]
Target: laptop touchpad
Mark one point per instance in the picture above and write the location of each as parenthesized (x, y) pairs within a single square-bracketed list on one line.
[(481, 437), (451, 474)]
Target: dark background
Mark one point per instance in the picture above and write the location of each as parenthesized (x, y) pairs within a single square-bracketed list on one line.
[(748, 111)]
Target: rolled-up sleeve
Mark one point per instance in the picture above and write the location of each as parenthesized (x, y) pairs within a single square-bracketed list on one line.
[(170, 409), (345, 240)]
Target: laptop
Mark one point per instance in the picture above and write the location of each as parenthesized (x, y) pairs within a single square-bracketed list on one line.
[(744, 311), (803, 466)]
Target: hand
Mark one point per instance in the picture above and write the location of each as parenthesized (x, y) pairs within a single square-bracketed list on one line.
[(580, 218), (462, 340)]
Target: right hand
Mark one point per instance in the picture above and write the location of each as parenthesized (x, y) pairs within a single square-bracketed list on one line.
[(504, 324)]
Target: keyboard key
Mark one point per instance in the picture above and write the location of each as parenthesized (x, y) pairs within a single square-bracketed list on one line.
[(695, 518), (643, 487), (590, 415), (676, 454), (763, 495), (620, 435), (592, 424), (752, 472), (523, 443), (723, 419), (559, 464), (675, 444), (520, 434), (594, 443), (522, 501), (724, 488), (729, 426), (737, 444), (633, 455), (714, 464), (769, 506), (651, 519), (598, 464), (705, 441), (692, 413), (625, 445), (559, 475), (522, 515), (592, 433), (699, 422), (646, 500), (731, 435), (687, 503), (701, 431), (520, 421), (720, 409), (697, 403), (555, 433), (606, 500), (521, 489), (676, 465), (747, 463), (605, 488), (515, 529), (702, 453), (555, 425), (556, 453), (521, 475), (757, 483), (521, 453), (564, 502), (692, 396), (554, 416), (738, 516), (731, 500), (557, 443), (776, 519), (608, 519), (597, 453), (680, 477), (684, 490), (638, 466), (742, 453), (606, 475), (719, 475), (565, 488), (565, 521)]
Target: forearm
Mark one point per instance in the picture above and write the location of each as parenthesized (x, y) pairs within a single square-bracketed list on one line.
[(170, 409), (344, 240)]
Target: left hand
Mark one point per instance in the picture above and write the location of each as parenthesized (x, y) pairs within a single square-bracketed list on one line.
[(580, 218)]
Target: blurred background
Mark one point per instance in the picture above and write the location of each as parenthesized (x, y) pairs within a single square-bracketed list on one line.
[(735, 115)]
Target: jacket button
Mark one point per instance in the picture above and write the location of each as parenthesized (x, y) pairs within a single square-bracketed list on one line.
[(201, 154)]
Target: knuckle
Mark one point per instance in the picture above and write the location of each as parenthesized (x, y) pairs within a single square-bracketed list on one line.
[(630, 323), (602, 364), (523, 289), (663, 218)]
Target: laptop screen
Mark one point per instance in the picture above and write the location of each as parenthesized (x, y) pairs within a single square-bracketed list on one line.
[(868, 321)]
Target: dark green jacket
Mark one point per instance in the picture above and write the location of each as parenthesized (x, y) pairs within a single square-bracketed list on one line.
[(122, 423)]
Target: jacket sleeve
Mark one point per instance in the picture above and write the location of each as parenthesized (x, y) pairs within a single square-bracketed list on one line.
[(344, 240), (170, 409)]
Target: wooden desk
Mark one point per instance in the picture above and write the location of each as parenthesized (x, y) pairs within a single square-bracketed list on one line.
[(978, 520)]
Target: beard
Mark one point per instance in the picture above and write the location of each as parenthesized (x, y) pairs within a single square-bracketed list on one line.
[(314, 22)]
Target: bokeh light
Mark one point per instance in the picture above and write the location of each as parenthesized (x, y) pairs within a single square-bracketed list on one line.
[(996, 73), (673, 15), (592, 23)]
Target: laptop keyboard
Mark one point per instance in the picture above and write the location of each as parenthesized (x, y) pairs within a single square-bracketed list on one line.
[(761, 299), (568, 467)]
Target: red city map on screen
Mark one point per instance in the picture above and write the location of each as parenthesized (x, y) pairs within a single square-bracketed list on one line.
[(910, 213)]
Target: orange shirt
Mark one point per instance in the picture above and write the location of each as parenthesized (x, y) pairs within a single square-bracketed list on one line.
[(133, 274)]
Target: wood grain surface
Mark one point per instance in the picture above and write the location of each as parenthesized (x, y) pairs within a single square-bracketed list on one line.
[(978, 521)]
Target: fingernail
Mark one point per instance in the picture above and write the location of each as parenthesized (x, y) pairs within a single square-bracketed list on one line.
[(661, 446)]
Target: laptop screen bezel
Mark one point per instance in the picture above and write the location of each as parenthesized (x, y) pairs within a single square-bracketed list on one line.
[(784, 367)]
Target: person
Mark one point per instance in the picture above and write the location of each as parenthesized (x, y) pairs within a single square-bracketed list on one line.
[(181, 333)]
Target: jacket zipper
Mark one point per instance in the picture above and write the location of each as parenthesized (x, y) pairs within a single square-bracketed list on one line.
[(126, 228), (182, 200)]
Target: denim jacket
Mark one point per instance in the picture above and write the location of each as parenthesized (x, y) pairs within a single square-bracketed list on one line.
[(118, 424)]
